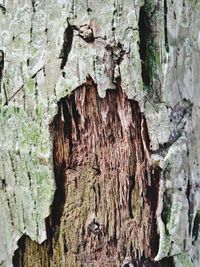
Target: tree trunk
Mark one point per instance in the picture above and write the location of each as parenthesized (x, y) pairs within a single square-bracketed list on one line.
[(123, 144)]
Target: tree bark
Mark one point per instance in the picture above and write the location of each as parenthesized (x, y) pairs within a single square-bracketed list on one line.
[(123, 145)]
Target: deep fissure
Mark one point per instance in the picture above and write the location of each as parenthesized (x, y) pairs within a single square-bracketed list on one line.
[(1, 66), (165, 26), (144, 33), (67, 45)]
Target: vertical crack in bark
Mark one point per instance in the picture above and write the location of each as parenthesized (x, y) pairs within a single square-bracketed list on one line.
[(60, 131), (144, 32), (167, 203), (18, 259), (165, 26), (1, 66), (67, 45), (104, 208), (190, 211), (195, 230)]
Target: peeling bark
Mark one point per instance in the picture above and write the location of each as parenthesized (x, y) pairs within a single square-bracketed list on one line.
[(104, 208)]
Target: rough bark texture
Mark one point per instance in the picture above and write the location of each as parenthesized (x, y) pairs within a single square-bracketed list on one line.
[(125, 153)]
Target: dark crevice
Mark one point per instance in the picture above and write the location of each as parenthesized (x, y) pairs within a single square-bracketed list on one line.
[(10, 211), (113, 21), (67, 45), (29, 178), (166, 262), (89, 10), (196, 227), (53, 221), (167, 202), (33, 2), (67, 127), (165, 26), (31, 31), (144, 33), (19, 254), (138, 123), (3, 184), (65, 244), (13, 166), (190, 211), (1, 66), (86, 33), (60, 129), (3, 9), (131, 187), (152, 198), (141, 261)]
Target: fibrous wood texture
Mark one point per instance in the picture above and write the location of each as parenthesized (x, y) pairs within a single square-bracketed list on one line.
[(104, 208)]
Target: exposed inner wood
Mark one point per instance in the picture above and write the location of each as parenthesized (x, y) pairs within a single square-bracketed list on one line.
[(103, 213)]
